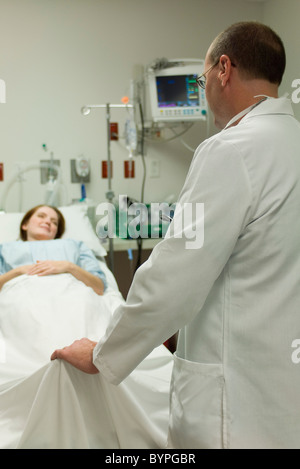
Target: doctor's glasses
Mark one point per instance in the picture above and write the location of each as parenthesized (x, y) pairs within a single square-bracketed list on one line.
[(201, 80)]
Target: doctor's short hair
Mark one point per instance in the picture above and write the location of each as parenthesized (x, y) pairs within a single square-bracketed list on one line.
[(254, 48), (60, 227)]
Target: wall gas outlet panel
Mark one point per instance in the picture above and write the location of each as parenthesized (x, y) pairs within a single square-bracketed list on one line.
[(80, 170)]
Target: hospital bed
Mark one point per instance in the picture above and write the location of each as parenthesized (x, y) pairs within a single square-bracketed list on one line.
[(46, 404)]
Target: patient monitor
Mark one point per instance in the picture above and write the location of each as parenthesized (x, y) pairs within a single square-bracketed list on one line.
[(174, 92)]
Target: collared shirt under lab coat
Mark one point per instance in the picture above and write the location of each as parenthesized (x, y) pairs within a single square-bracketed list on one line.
[(236, 300)]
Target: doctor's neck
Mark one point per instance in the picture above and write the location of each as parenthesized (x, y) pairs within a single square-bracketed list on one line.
[(246, 94)]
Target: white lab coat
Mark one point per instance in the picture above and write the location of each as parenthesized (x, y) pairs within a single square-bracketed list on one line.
[(235, 300)]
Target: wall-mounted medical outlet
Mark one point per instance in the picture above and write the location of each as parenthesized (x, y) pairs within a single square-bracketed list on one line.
[(129, 169), (104, 169), (75, 177), (114, 131), (155, 169), (47, 172)]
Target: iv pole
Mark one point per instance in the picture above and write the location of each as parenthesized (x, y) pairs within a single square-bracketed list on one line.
[(85, 110)]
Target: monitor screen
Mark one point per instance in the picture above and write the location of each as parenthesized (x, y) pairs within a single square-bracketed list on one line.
[(175, 95), (177, 91)]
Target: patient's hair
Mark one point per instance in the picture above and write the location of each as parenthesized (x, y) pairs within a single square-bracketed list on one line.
[(60, 227), (254, 48)]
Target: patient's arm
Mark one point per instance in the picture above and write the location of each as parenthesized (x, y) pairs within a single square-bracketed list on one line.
[(23, 269), (59, 267)]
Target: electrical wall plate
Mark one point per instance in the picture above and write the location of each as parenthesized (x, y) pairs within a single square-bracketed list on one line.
[(2, 92)]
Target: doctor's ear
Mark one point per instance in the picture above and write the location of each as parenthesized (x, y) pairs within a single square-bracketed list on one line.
[(225, 69)]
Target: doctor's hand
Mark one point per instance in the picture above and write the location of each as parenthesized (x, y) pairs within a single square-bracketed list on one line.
[(79, 354)]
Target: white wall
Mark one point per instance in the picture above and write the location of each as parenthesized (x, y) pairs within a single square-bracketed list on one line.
[(57, 55), (283, 16)]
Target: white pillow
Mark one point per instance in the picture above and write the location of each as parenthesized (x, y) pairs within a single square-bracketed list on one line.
[(10, 226), (78, 226)]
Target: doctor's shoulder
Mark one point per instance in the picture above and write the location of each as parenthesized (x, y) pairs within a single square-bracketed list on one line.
[(217, 147)]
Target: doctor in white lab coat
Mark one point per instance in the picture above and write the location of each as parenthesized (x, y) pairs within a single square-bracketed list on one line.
[(234, 294)]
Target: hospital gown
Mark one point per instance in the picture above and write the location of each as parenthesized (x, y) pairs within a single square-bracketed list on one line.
[(17, 253)]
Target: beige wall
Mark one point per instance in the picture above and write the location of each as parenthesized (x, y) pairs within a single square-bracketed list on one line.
[(284, 16), (57, 55)]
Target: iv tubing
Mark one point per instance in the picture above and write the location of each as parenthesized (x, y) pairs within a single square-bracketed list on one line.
[(30, 167)]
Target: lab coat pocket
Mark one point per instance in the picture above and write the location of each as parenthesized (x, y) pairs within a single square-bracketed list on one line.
[(196, 414)]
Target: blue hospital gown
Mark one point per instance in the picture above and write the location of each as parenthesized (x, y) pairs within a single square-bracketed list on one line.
[(17, 253)]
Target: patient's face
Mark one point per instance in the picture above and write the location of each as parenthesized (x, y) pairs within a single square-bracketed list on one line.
[(42, 225)]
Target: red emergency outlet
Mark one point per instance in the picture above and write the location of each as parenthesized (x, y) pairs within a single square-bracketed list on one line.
[(105, 169), (129, 169), (1, 172), (114, 131)]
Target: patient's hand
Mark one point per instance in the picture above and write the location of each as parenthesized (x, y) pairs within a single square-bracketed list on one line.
[(65, 267), (79, 354), (49, 268), (23, 269)]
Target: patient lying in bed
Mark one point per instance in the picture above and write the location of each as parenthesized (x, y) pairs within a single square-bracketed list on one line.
[(50, 255), (54, 291)]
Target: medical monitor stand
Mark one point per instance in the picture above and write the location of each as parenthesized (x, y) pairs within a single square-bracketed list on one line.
[(109, 194)]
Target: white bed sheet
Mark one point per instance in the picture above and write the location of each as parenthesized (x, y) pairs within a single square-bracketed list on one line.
[(47, 404)]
